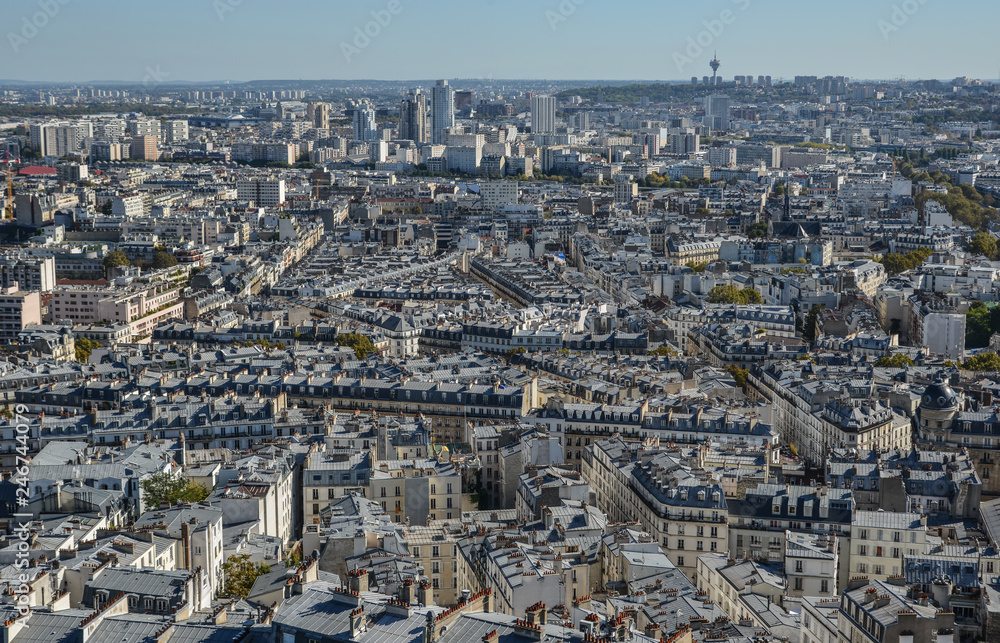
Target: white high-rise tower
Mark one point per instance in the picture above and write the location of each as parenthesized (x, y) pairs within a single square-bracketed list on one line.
[(543, 114), (442, 110)]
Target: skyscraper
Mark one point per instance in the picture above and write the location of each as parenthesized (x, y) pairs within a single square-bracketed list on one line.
[(413, 117), (318, 115), (364, 124), (442, 110), (543, 114), (717, 112)]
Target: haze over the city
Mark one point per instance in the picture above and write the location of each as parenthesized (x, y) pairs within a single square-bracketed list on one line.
[(240, 40)]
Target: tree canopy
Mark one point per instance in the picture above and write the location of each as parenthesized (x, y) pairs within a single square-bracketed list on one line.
[(895, 361), (982, 362), (163, 259), (240, 573), (984, 244), (897, 263), (84, 347), (757, 230), (980, 324), (115, 258), (729, 294), (362, 345), (165, 487)]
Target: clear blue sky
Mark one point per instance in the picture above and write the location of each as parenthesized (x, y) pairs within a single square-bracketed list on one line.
[(203, 40)]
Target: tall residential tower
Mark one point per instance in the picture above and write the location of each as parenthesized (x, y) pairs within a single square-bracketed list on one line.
[(442, 110)]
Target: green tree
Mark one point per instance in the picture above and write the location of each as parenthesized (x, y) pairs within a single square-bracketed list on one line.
[(162, 488), (663, 351), (729, 294), (812, 317), (757, 230), (984, 244), (739, 374), (980, 324), (896, 263), (114, 259), (240, 573), (163, 259), (361, 344), (898, 360), (84, 347), (982, 362), (294, 558)]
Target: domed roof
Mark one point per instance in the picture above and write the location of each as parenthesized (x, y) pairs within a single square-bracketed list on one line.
[(939, 396)]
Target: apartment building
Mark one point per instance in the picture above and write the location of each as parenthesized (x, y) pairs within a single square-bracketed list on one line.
[(681, 508), (417, 491), (18, 309), (881, 612), (141, 308), (880, 539), (28, 273), (264, 193)]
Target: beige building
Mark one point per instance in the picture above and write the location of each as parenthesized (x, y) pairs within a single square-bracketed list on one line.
[(435, 549), (417, 491), (682, 509), (142, 309), (880, 539), (18, 309)]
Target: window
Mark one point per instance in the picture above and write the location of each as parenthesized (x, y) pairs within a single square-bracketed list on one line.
[(798, 584), (435, 551), (680, 561), (315, 494), (824, 586), (680, 544)]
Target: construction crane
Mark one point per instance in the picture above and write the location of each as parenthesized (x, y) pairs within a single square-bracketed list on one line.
[(9, 212)]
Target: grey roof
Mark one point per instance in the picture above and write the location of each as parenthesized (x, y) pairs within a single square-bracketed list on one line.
[(143, 582), (938, 570)]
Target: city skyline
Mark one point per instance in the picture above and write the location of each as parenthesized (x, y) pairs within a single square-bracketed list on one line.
[(363, 41)]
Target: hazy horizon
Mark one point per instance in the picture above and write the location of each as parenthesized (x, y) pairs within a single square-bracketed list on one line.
[(198, 41)]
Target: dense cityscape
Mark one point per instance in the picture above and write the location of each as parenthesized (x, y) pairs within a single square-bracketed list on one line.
[(500, 361)]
